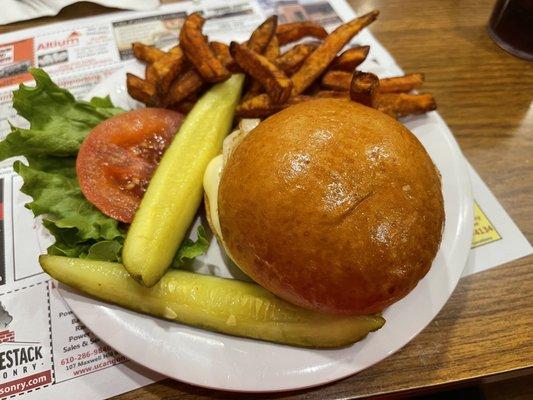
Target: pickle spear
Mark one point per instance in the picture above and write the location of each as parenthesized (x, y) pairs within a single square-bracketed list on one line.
[(175, 190), (223, 305)]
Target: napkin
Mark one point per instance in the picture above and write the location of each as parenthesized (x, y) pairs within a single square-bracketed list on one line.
[(21, 10)]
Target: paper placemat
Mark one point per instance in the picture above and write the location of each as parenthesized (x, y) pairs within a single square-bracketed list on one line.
[(44, 350)]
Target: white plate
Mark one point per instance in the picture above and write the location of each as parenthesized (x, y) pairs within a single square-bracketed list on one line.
[(230, 363)]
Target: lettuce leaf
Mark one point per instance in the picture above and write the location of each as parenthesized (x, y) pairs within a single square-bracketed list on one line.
[(58, 122), (190, 249), (75, 223), (58, 125)]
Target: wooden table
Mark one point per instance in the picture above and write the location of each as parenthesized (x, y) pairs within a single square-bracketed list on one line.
[(485, 95)]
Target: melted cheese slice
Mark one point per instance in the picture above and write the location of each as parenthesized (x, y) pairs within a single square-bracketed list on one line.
[(212, 176), (213, 172)]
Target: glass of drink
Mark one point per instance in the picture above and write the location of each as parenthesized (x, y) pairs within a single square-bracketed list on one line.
[(511, 27)]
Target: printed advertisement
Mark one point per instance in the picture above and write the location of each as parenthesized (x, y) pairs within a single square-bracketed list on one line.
[(15, 60)]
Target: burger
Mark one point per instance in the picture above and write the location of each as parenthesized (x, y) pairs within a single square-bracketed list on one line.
[(328, 204)]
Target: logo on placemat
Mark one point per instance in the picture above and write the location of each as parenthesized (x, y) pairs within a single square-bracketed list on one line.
[(22, 365), (73, 39)]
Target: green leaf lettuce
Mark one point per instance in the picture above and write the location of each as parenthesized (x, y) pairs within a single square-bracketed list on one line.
[(58, 125), (190, 249)]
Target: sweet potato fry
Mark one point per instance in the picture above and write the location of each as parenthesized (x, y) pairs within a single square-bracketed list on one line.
[(293, 31), (319, 59), (364, 87), (290, 61), (263, 34), (166, 68), (271, 53), (272, 50), (150, 74), (197, 50), (404, 83), (333, 94), (261, 106), (253, 90), (350, 58), (340, 80), (186, 105), (146, 53), (395, 104), (402, 104), (266, 30), (337, 80), (185, 85), (275, 82), (221, 51), (141, 90)]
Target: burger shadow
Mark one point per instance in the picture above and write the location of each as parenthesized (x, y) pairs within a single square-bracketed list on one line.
[(233, 269)]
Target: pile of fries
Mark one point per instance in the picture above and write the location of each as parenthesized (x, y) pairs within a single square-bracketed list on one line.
[(276, 79)]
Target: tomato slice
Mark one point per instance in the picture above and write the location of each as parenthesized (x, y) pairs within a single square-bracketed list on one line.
[(119, 156)]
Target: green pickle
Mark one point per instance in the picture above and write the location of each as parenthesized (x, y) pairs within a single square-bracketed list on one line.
[(222, 305), (175, 191)]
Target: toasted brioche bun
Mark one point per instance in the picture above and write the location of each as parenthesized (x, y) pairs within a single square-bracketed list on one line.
[(332, 206)]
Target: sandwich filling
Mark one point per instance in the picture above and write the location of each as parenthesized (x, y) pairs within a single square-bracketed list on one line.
[(214, 169)]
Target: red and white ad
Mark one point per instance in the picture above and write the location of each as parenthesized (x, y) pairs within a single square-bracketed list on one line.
[(15, 60), (72, 50), (25, 340)]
